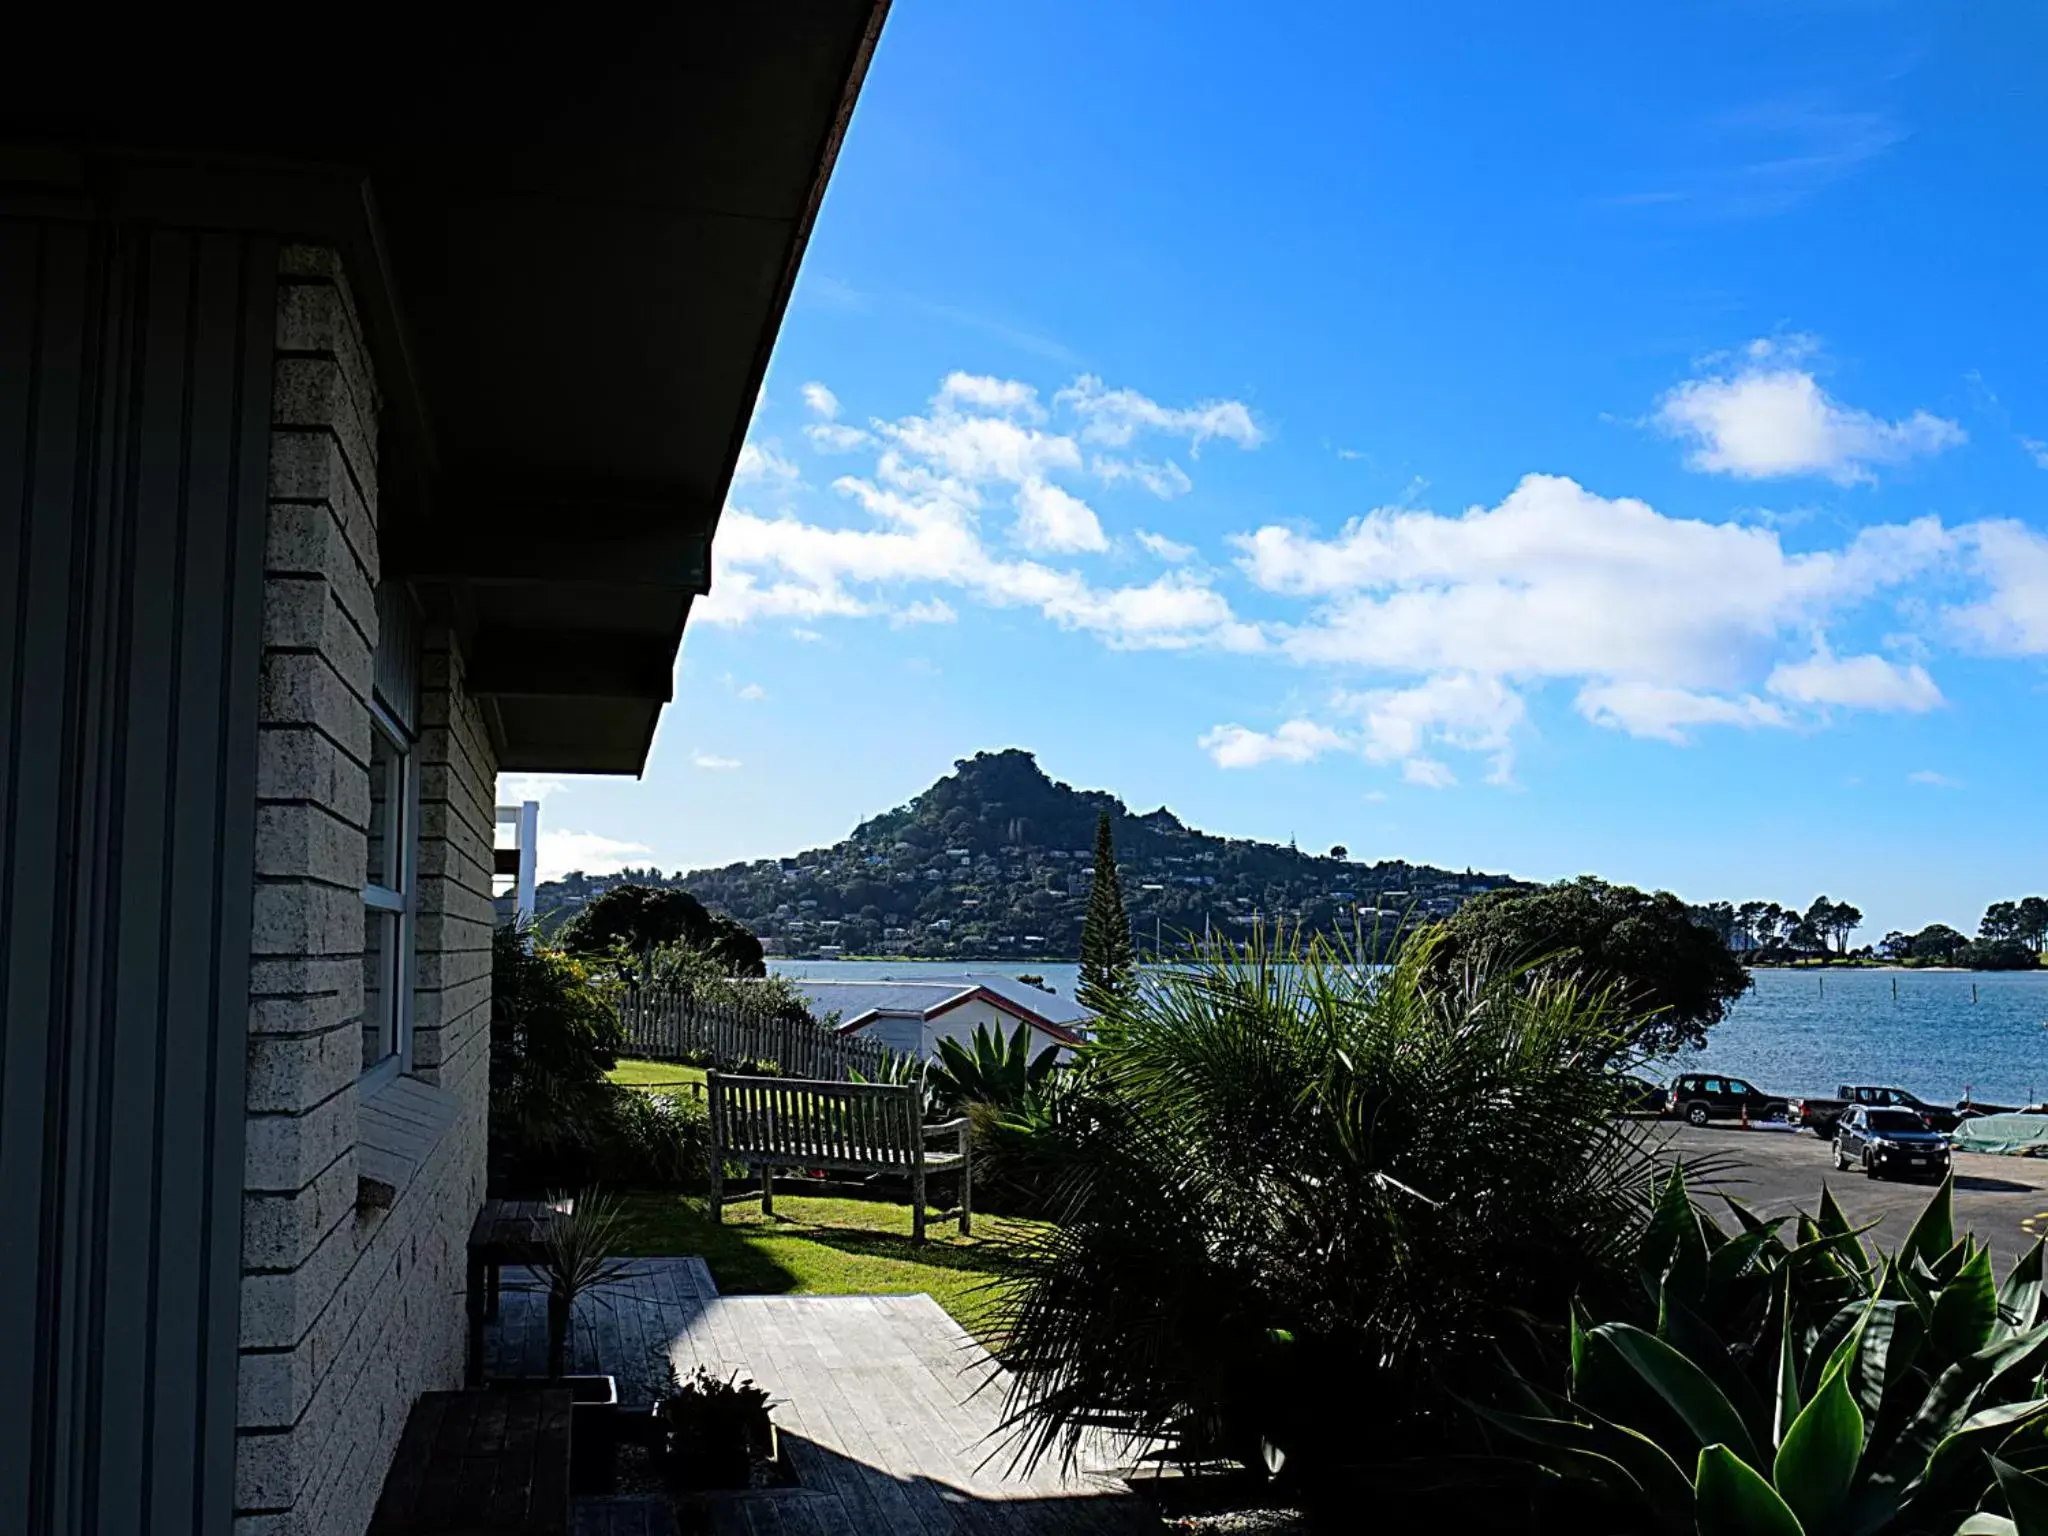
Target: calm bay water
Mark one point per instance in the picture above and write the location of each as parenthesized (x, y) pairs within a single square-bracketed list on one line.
[(1794, 1032)]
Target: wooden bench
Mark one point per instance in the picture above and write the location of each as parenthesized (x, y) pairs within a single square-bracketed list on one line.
[(480, 1464), (766, 1123), (504, 1232)]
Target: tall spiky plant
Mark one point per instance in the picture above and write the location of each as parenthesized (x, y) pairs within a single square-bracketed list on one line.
[(1108, 964), (1310, 1203)]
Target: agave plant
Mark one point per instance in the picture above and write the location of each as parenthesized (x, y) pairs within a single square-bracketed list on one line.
[(997, 1071), (1303, 1203), (1878, 1396)]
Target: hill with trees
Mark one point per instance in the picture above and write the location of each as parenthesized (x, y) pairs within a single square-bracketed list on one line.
[(996, 859)]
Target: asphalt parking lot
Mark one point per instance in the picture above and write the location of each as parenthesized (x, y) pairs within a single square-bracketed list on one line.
[(2003, 1200)]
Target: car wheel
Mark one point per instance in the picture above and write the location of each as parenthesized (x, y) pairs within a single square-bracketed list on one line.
[(1697, 1114), (1869, 1168), (1822, 1131), (1841, 1159)]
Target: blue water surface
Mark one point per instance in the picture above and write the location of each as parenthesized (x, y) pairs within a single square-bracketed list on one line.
[(1936, 1033)]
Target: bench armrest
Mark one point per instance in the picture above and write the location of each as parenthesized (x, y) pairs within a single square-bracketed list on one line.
[(948, 1127)]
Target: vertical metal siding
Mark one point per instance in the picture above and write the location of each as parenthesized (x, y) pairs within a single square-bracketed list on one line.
[(135, 375)]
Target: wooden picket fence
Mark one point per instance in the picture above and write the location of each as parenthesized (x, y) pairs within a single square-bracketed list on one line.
[(664, 1024)]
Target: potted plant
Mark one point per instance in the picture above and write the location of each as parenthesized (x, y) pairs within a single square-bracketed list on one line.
[(715, 1429), (575, 1259)]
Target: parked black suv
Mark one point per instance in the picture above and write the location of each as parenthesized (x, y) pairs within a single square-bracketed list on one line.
[(1698, 1097), (1890, 1143)]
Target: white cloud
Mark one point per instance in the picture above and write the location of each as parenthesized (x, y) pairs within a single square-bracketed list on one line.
[(1770, 418), (1428, 772), (1933, 780), (1559, 582), (1114, 417), (933, 477), (751, 692), (929, 610), (1164, 480), (1465, 711), (514, 788), (1667, 714), (1391, 725), (758, 463), (1856, 682), (981, 448), (712, 762), (1050, 520), (836, 437), (1170, 550), (2011, 559), (2037, 450), (821, 402), (1297, 741), (1006, 397), (562, 852)]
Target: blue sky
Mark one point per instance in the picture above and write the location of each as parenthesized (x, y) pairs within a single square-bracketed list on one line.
[(1549, 439)]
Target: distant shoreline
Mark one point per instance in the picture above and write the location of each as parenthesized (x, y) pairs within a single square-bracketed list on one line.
[(1012, 960), (1901, 970)]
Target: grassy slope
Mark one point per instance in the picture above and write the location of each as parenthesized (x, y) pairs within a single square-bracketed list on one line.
[(819, 1247)]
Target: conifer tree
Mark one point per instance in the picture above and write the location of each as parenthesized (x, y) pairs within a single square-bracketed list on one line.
[(1108, 965)]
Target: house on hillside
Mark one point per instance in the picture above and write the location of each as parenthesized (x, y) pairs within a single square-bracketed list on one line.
[(912, 1017), (370, 385)]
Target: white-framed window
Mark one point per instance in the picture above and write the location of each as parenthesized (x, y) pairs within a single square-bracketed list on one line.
[(391, 862)]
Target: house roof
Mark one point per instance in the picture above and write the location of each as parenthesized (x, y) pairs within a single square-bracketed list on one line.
[(860, 1003), (571, 245)]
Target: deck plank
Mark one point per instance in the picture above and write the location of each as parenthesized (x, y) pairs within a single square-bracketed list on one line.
[(888, 1408)]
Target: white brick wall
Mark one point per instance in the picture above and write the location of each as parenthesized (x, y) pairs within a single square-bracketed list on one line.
[(347, 1314)]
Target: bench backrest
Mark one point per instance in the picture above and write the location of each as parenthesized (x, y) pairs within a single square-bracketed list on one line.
[(878, 1125)]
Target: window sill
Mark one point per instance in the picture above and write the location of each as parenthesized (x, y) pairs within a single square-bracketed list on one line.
[(399, 1123)]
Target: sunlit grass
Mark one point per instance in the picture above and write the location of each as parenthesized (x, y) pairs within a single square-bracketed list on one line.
[(665, 1076), (831, 1247)]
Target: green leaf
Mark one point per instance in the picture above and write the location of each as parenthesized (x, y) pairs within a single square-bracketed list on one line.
[(1934, 1233), (1817, 1462), (2019, 1299), (2026, 1498), (1888, 1382), (1833, 1223), (1987, 1525), (1731, 1499), (1962, 1452), (1787, 1404), (1682, 1386), (1614, 1457), (1966, 1311)]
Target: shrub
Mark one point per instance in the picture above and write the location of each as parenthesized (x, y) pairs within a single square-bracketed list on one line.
[(555, 1033), (654, 1140), (556, 1119), (1309, 1205)]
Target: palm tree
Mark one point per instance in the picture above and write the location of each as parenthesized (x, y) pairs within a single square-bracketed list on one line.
[(1308, 1204)]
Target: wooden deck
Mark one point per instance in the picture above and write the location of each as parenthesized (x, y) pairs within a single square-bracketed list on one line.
[(887, 1409)]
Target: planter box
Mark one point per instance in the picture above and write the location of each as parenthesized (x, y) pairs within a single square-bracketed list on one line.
[(593, 1426)]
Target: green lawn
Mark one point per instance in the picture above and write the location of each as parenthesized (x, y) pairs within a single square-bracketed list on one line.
[(827, 1247), (819, 1247), (663, 1075)]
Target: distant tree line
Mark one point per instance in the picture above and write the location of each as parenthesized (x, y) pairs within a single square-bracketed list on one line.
[(2010, 937)]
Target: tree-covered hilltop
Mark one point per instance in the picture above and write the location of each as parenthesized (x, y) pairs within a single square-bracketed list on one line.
[(996, 859)]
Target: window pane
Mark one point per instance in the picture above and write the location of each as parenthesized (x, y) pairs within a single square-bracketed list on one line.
[(386, 831), (380, 985)]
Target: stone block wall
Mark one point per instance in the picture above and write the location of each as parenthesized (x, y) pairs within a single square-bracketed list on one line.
[(349, 1311)]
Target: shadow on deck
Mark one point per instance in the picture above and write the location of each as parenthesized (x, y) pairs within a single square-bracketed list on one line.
[(888, 1410)]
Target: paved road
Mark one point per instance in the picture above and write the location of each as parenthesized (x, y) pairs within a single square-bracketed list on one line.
[(2003, 1200)]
